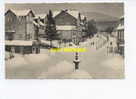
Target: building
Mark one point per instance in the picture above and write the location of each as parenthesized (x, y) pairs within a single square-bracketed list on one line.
[(22, 47), (40, 20), (68, 23), (120, 36), (19, 24), (19, 29)]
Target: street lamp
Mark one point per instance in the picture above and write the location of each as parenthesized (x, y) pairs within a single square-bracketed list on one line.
[(76, 61)]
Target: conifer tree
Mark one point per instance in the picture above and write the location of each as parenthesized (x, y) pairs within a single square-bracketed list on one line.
[(50, 30)]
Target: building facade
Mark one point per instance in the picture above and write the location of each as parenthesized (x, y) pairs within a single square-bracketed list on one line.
[(40, 21), (120, 36), (20, 32), (19, 24), (68, 24)]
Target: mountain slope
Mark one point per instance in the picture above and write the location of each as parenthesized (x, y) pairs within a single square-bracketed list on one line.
[(99, 17)]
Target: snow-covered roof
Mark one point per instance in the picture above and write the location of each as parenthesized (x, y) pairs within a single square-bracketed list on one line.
[(10, 31), (65, 27), (55, 13), (35, 23), (120, 27), (42, 16), (21, 12), (73, 13), (121, 45), (19, 43), (41, 23), (82, 17), (121, 17)]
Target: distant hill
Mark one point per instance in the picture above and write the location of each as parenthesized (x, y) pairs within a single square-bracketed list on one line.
[(103, 21), (99, 17)]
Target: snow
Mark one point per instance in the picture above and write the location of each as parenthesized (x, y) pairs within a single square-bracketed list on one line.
[(26, 60), (54, 43), (41, 23), (64, 69), (61, 69), (19, 43), (115, 62), (79, 74), (21, 12), (42, 16), (35, 23), (10, 31), (55, 13), (36, 58), (74, 13), (7, 55), (121, 17), (120, 27), (16, 62), (113, 40), (95, 63), (65, 27)]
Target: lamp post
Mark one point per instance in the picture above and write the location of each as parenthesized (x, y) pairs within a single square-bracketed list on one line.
[(76, 61)]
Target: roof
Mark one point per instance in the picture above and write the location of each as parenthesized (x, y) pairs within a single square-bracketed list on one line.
[(65, 27), (41, 23), (55, 13), (122, 17), (21, 12), (121, 45), (35, 23), (42, 16), (10, 31), (18, 43), (73, 13), (120, 27)]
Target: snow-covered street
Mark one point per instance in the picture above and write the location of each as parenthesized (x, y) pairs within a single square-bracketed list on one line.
[(94, 63)]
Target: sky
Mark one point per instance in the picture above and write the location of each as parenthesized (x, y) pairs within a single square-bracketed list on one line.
[(112, 9)]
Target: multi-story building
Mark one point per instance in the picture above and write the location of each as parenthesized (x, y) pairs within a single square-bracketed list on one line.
[(68, 23), (20, 31), (19, 24), (120, 36)]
